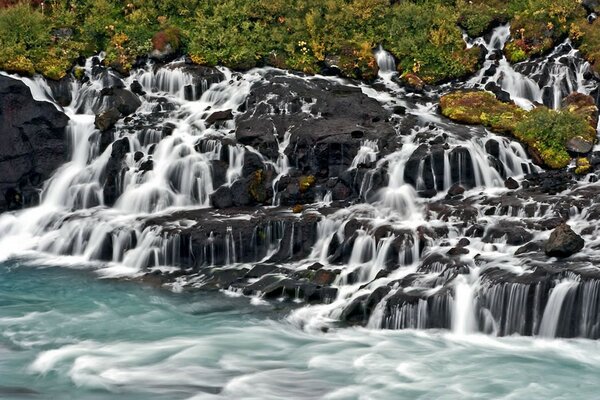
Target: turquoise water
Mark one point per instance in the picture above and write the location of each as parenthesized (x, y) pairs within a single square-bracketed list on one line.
[(65, 334)]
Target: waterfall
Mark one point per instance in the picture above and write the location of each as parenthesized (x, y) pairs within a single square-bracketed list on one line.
[(552, 313), (378, 235), (385, 61), (546, 81), (463, 313)]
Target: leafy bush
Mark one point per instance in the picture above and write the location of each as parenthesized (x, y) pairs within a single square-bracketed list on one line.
[(547, 131), (424, 35)]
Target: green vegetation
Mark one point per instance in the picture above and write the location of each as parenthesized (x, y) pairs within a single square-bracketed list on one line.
[(587, 36), (305, 35), (545, 132)]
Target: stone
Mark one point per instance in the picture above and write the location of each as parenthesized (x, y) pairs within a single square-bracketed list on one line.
[(219, 116), (107, 119), (136, 87), (563, 242), (579, 145), (511, 184), (222, 197), (324, 277), (455, 190), (32, 143)]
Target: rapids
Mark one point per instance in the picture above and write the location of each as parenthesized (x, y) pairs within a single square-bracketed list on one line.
[(65, 334)]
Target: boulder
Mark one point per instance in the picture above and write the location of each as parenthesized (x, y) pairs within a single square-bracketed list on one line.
[(563, 242), (219, 116), (122, 99), (107, 119), (32, 143), (579, 145), (222, 197), (511, 184)]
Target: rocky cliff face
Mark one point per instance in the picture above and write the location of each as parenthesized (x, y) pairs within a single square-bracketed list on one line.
[(32, 144)]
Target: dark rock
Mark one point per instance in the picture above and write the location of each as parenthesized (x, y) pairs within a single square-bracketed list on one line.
[(218, 116), (464, 242), (32, 143), (61, 90), (121, 99), (147, 165), (531, 247), (324, 277), (511, 184), (137, 88), (107, 119), (222, 197), (315, 267), (456, 251), (455, 190), (515, 235), (261, 270), (137, 156), (563, 242), (579, 145)]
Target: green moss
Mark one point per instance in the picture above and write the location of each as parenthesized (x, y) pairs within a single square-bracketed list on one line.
[(582, 166), (544, 131), (547, 131), (515, 53), (587, 36), (537, 26), (477, 17), (481, 108), (305, 35)]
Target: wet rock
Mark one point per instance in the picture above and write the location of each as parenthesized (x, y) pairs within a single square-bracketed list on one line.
[(114, 169), (511, 184), (531, 247), (500, 94), (107, 119), (137, 88), (32, 143), (261, 270), (324, 277), (147, 165), (121, 99), (513, 234), (327, 124), (579, 145), (563, 242), (137, 156), (464, 242), (240, 192), (219, 116), (222, 197), (457, 251), (61, 90), (455, 190)]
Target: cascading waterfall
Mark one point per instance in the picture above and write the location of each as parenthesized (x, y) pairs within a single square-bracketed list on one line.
[(545, 81), (382, 252)]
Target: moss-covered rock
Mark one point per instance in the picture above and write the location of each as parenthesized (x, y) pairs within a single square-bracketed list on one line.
[(481, 108), (545, 132)]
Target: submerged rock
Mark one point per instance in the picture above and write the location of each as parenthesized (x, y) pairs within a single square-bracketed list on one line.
[(563, 242)]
